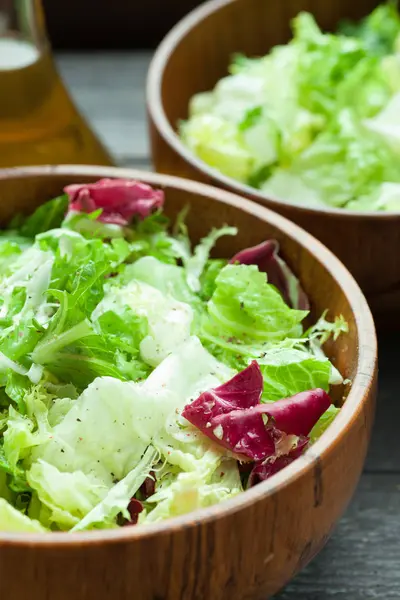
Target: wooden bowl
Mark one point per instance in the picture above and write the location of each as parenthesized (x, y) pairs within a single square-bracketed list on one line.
[(194, 56), (251, 545)]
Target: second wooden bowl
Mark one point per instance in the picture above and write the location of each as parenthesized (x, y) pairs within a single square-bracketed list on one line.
[(250, 546), (194, 56)]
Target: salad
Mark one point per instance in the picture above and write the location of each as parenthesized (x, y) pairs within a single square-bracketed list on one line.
[(141, 378), (316, 121)]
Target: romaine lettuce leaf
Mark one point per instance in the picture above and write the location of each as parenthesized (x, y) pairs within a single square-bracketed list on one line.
[(246, 307), (104, 514), (266, 257), (324, 62), (188, 491), (219, 144), (346, 162), (325, 420), (168, 320), (68, 496), (195, 264), (169, 279), (378, 31), (13, 520), (289, 371), (386, 124)]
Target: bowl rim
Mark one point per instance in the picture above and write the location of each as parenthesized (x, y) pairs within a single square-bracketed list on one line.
[(361, 389), (156, 112)]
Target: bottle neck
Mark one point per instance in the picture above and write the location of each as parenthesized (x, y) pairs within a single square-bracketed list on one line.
[(27, 73), (23, 35)]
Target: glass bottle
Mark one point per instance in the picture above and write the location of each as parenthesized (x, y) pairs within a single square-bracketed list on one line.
[(39, 123)]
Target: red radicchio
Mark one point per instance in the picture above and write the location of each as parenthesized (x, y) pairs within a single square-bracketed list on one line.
[(266, 257), (239, 395), (119, 199), (265, 469), (148, 487), (298, 415), (232, 416), (135, 507)]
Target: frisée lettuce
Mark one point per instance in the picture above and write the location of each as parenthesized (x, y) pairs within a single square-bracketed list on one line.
[(141, 378), (313, 122)]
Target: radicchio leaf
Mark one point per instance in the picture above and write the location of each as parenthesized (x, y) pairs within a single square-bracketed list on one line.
[(273, 464), (218, 414), (268, 261), (135, 507), (298, 415), (232, 416), (119, 199), (243, 432), (148, 487)]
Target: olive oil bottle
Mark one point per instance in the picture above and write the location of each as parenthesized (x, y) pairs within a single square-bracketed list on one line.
[(39, 123)]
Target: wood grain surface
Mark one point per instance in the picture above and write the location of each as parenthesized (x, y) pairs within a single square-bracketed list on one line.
[(194, 56), (252, 545), (361, 560)]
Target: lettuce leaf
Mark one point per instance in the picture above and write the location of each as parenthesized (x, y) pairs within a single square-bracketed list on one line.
[(386, 124), (325, 420), (378, 31), (289, 371), (167, 321), (170, 280), (266, 257), (219, 144), (12, 520), (68, 496), (246, 307), (49, 215), (346, 162), (189, 491), (195, 264), (104, 514), (324, 62)]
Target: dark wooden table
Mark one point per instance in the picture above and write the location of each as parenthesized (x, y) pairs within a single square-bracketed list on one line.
[(362, 559)]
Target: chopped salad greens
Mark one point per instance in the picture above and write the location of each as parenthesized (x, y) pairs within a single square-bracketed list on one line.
[(141, 378), (314, 122)]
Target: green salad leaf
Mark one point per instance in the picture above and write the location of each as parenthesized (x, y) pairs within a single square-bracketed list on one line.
[(13, 520), (245, 306), (379, 31), (48, 216), (345, 164)]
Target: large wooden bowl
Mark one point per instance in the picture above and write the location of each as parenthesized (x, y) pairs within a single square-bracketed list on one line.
[(194, 56), (247, 547)]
